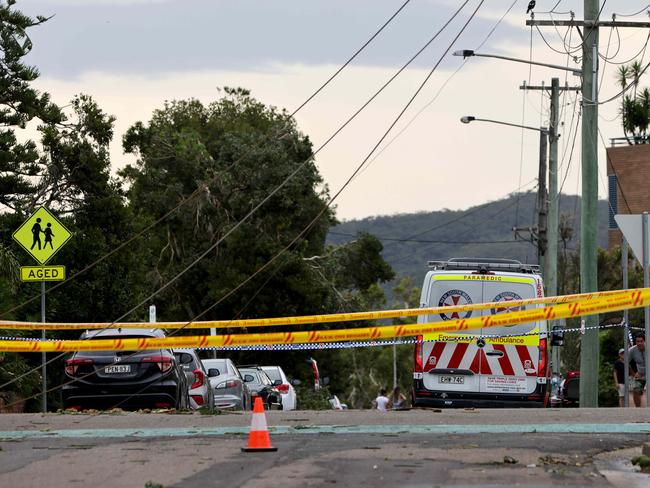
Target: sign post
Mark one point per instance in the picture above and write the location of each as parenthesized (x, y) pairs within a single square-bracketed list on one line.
[(626, 330), (43, 355), (42, 235)]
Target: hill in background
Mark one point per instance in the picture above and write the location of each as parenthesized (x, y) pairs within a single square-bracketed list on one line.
[(411, 240)]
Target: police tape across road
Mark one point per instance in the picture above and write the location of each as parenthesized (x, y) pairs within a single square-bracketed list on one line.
[(314, 319), (609, 303)]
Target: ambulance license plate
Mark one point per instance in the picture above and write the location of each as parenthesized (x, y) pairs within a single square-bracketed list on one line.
[(454, 380)]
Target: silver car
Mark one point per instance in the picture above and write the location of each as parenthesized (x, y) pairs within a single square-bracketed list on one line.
[(200, 389), (229, 388)]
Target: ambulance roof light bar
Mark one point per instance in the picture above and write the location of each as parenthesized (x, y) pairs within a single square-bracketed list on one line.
[(485, 264)]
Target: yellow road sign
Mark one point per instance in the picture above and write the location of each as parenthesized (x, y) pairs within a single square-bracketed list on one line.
[(42, 273), (42, 235)]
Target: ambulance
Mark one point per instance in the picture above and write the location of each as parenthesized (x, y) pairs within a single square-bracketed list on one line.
[(504, 366)]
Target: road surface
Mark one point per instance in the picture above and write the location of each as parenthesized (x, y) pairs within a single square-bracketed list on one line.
[(417, 448)]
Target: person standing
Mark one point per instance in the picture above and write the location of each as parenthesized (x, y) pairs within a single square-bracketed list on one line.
[(381, 402), (619, 376), (637, 368)]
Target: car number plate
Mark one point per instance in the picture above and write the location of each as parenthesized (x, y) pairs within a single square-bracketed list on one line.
[(454, 380), (118, 368)]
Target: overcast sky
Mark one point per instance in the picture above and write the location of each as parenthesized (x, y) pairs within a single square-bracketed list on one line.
[(133, 55)]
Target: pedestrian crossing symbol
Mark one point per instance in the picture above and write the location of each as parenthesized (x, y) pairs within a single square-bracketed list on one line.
[(42, 235)]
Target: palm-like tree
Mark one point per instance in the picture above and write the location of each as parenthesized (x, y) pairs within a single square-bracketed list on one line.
[(643, 101), (635, 107)]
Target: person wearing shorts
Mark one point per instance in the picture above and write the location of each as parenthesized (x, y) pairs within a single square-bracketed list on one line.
[(619, 376), (637, 368)]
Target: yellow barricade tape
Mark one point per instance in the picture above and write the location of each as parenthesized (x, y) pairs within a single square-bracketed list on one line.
[(310, 319), (629, 299)]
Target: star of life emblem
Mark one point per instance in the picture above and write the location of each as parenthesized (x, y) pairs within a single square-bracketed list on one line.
[(455, 298), (506, 296)]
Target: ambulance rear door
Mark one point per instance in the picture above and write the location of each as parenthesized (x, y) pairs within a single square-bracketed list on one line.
[(509, 361), (448, 358)]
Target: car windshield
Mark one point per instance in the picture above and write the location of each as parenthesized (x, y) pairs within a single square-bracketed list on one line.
[(265, 378), (112, 352), (219, 364), (185, 359), (274, 373), (261, 378), (254, 373)]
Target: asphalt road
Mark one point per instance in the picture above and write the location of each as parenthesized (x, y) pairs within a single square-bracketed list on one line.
[(418, 448)]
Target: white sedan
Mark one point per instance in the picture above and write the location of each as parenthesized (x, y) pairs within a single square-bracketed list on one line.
[(285, 386)]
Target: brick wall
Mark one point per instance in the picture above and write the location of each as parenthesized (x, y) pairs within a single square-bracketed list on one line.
[(631, 167)]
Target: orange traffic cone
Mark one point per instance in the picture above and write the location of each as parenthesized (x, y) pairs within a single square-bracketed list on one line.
[(258, 438)]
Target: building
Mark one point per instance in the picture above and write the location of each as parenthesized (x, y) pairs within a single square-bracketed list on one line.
[(628, 175)]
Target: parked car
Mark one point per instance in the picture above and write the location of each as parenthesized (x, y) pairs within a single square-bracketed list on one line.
[(280, 381), (125, 379), (200, 389), (260, 384), (228, 386)]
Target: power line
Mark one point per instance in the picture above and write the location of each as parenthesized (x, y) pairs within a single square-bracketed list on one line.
[(573, 143), (618, 182), (552, 11), (426, 241), (640, 53), (440, 90), (644, 9), (487, 219), (390, 19)]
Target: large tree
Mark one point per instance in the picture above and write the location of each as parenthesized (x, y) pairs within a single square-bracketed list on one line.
[(217, 163), (209, 167)]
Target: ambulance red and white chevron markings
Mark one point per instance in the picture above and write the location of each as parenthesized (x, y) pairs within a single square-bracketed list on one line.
[(515, 359)]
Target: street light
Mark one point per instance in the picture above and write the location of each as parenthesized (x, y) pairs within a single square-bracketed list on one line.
[(541, 195), (466, 119), (466, 53)]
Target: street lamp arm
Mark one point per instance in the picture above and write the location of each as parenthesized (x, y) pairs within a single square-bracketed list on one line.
[(469, 118), (468, 52)]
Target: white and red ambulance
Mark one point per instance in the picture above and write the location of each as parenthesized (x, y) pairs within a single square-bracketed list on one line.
[(470, 368)]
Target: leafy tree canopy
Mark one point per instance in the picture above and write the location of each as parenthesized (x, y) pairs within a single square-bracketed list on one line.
[(227, 158)]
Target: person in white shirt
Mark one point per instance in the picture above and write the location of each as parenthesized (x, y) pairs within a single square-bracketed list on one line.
[(381, 402)]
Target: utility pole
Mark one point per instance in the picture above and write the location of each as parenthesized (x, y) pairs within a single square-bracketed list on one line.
[(542, 199), (589, 345), (551, 203), (538, 233), (589, 348), (553, 214)]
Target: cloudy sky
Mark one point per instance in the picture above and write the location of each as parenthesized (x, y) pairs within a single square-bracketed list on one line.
[(132, 55)]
